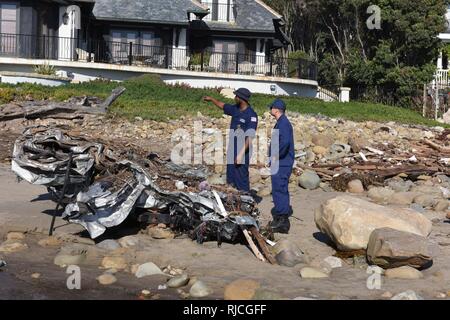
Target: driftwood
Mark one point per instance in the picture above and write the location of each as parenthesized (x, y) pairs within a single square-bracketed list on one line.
[(57, 110), (436, 146), (262, 245)]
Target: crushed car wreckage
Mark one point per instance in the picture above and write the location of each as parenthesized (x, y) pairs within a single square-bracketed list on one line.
[(108, 183)]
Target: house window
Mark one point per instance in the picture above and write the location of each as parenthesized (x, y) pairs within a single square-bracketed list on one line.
[(8, 18), (8, 28), (220, 10)]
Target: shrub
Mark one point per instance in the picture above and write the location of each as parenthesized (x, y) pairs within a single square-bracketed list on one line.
[(45, 69)]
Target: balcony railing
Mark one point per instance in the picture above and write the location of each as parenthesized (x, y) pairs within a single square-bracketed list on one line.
[(164, 57), (221, 12)]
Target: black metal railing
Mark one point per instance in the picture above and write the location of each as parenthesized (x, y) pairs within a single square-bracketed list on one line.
[(222, 12), (166, 57)]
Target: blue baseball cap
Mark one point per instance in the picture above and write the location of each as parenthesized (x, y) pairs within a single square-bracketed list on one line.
[(243, 93), (278, 104)]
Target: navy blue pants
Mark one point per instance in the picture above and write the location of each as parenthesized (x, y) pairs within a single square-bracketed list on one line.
[(280, 191), (238, 177)]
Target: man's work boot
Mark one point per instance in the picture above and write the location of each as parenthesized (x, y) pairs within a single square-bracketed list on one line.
[(280, 224)]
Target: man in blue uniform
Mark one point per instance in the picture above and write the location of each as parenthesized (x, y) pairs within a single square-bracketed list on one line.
[(281, 161), (244, 122)]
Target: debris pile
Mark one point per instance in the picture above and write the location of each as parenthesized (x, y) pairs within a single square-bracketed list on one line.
[(106, 182)]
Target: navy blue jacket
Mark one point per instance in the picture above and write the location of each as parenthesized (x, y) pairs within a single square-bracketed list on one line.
[(246, 122), (286, 151)]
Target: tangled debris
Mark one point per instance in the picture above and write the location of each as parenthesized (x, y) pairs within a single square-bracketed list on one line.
[(109, 183)]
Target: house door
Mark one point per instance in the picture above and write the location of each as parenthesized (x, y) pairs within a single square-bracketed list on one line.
[(8, 28), (120, 45), (227, 50)]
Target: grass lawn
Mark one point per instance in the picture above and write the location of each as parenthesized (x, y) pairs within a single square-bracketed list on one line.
[(148, 97)]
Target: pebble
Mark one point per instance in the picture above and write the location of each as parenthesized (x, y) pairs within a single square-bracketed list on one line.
[(50, 242), (178, 282), (36, 275), (404, 272), (128, 241), (333, 262), (11, 247), (200, 290), (308, 272), (109, 245), (387, 295), (148, 269), (118, 263), (407, 295), (68, 260), (241, 289), (15, 236), (355, 186), (106, 279)]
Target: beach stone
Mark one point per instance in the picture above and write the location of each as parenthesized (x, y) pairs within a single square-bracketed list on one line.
[(402, 198), (389, 248), (380, 195), (109, 245), (241, 289), (288, 254), (400, 185), (160, 233), (106, 279), (68, 260), (116, 262), (349, 221), (322, 140), (129, 241), (200, 290), (309, 180), (407, 295), (179, 281), (355, 186), (313, 273), (442, 205), (426, 201), (148, 269), (403, 273), (333, 262)]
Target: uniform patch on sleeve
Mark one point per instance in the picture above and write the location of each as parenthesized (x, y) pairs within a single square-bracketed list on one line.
[(254, 119)]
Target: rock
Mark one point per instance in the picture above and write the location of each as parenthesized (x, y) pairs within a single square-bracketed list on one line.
[(242, 289), (322, 140), (310, 156), (148, 269), (50, 242), (288, 254), (160, 233), (128, 241), (63, 259), (349, 221), (448, 215), (333, 262), (400, 185), (403, 273), (313, 273), (355, 186), (357, 144), (180, 185), (15, 236), (11, 247), (380, 195), (387, 295), (118, 263), (106, 279), (200, 290), (407, 295), (389, 248), (417, 207), (442, 205), (36, 275), (309, 180), (426, 201), (320, 150), (402, 198), (109, 245), (179, 281)]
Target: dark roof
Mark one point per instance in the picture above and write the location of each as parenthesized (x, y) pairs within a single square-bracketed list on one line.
[(163, 11), (251, 16)]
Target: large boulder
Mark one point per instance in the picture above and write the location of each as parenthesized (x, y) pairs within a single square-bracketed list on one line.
[(349, 221), (390, 248)]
